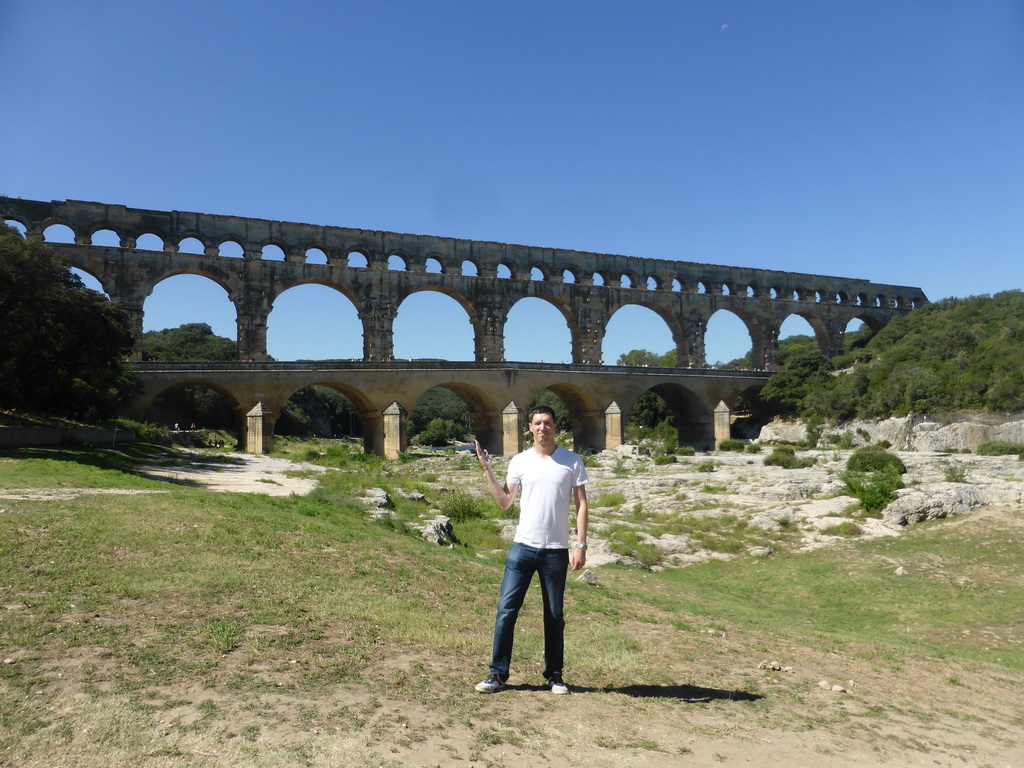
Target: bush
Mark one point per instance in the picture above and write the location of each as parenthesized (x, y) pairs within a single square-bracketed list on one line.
[(706, 466), (999, 448), (785, 456), (686, 450), (753, 448), (664, 458), (731, 445), (874, 459), (460, 507), (874, 490)]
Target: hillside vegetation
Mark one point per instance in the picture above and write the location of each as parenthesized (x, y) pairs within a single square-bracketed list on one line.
[(952, 355)]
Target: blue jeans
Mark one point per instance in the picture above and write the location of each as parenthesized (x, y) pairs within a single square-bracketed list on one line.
[(520, 565)]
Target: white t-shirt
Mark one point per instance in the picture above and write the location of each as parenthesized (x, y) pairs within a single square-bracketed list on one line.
[(546, 484)]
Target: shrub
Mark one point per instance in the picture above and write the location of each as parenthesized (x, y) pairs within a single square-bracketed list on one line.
[(785, 456), (731, 445), (874, 459), (956, 473), (999, 448), (460, 507), (753, 448), (706, 466), (686, 450), (874, 490), (664, 458)]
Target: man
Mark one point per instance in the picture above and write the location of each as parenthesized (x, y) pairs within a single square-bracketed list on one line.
[(549, 477)]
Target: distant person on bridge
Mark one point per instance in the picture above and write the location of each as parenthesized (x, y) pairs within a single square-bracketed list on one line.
[(550, 476)]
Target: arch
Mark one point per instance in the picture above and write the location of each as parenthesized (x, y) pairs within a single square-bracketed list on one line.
[(628, 280), (797, 323), (336, 412), (231, 249), (180, 404), (601, 277), (690, 418), (466, 405), (149, 241), (470, 268), (581, 406), (15, 224), (104, 237), (537, 274), (272, 252), (357, 260), (194, 298), (635, 326), (59, 233), (315, 256), (677, 285), (504, 271), (191, 245), (434, 266), (397, 263), (427, 326), (312, 321), (728, 338), (570, 275), (89, 280), (654, 283), (539, 329)]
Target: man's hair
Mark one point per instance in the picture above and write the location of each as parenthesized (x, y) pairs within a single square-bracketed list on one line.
[(543, 409)]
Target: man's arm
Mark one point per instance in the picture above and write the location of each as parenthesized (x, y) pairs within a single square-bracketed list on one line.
[(577, 556), (503, 494)]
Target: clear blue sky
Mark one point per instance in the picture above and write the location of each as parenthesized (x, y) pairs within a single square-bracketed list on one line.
[(873, 139)]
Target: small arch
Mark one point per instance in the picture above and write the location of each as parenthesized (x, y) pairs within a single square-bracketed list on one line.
[(272, 252), (88, 280), (600, 277), (753, 291), (357, 260), (537, 275), (191, 245), (470, 268), (861, 300), (628, 280), (316, 256), (568, 276), (58, 233), (703, 287), (397, 264), (106, 238), (654, 283), (677, 285), (819, 297), (728, 289), (504, 272), (774, 292), (231, 249), (880, 300), (22, 229), (149, 242), (435, 266)]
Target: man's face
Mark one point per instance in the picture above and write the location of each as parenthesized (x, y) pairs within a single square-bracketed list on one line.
[(542, 427)]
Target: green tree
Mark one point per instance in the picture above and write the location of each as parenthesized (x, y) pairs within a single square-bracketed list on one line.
[(192, 342), (62, 345)]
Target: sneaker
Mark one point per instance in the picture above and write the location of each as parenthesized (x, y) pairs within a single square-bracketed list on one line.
[(491, 684), (557, 686)]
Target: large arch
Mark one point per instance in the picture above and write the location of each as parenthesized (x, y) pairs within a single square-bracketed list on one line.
[(533, 331), (299, 328), (426, 326), (636, 326), (204, 300)]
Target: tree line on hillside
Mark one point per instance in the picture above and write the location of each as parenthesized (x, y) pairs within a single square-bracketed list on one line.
[(63, 350)]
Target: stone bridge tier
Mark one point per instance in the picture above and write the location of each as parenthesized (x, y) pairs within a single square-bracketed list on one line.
[(378, 270), (598, 399)]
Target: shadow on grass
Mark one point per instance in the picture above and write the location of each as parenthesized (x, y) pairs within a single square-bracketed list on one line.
[(692, 694)]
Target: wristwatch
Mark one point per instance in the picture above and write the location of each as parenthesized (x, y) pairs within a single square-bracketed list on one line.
[(581, 546)]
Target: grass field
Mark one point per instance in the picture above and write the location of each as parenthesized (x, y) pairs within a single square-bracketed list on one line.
[(152, 624)]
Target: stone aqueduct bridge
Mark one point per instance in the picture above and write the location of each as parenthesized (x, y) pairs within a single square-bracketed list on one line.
[(485, 278), (597, 397)]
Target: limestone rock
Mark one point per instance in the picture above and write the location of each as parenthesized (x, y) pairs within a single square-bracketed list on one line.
[(930, 502), (377, 498)]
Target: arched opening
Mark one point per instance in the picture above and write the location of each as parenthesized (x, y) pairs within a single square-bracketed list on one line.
[(432, 326), (677, 286), (440, 417), (598, 278), (89, 281), (568, 277), (319, 411), (434, 267), (272, 252), (358, 260), (536, 332), (58, 233), (637, 329), (727, 342), (106, 238), (470, 268), (231, 249), (16, 225), (189, 407), (314, 322), (191, 245), (626, 281), (316, 256), (149, 242), (537, 275), (670, 416), (796, 334), (397, 263), (185, 299), (504, 272)]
